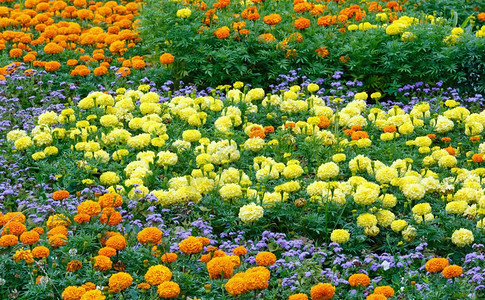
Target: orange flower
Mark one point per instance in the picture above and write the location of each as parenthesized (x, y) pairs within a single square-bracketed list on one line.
[(8, 240), (102, 263), (452, 271), (327, 21), (322, 52), (110, 216), (450, 150), (14, 227), (117, 242), (205, 241), (72, 62), (302, 23), (82, 218), (357, 135), (474, 138), (268, 129), (120, 281), (478, 157), (324, 122), (265, 259), (191, 245), (481, 16), (437, 264), (359, 280), (272, 19), (266, 37), (99, 71), (169, 257), (138, 64), (250, 13), (107, 251), (74, 265), (15, 52), (257, 133), (60, 195), (53, 48), (123, 71), (241, 250), (238, 25), (57, 240), (222, 32), (384, 290), (89, 207), (166, 59), (322, 291), (446, 139), (299, 296), (376, 297), (40, 252), (52, 66), (220, 267), (431, 136), (151, 235), (29, 57), (29, 237)]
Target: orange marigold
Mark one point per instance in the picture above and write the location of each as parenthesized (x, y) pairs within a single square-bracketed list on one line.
[(110, 216), (29, 237), (478, 157), (359, 280), (151, 235), (57, 240), (102, 263), (15, 52), (241, 250), (143, 286), (89, 207), (446, 139), (322, 291), (236, 285), (40, 252), (14, 227), (302, 23), (220, 266), (190, 245), (376, 297), (265, 259), (117, 242), (120, 281), (168, 289), (52, 66), (12, 216), (53, 48), (73, 293), (272, 19), (74, 265), (322, 52), (384, 290), (390, 128), (169, 257), (474, 138), (452, 271), (450, 150), (481, 16), (166, 59), (299, 296), (82, 218), (158, 274), (8, 240), (222, 32), (107, 251), (357, 135), (60, 195)]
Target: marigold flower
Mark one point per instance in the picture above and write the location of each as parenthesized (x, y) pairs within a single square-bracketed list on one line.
[(14, 227), (143, 286), (222, 32), (52, 66), (107, 251), (190, 245), (150, 235), (384, 290), (299, 296), (166, 59), (89, 207), (110, 216), (205, 241), (302, 23), (478, 157), (120, 281), (58, 240), (452, 271), (40, 252), (322, 291), (376, 297), (60, 195), (102, 263), (82, 218), (220, 266), (272, 19), (58, 220), (239, 251), (168, 289), (93, 295), (265, 259), (322, 52), (158, 274), (73, 293), (74, 265), (359, 280), (169, 257), (22, 254), (117, 242), (29, 237), (236, 285)]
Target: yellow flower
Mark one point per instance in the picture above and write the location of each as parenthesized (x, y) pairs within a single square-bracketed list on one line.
[(339, 236), (462, 237), (250, 213)]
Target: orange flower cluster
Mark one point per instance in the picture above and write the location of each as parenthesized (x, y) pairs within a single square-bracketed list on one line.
[(51, 27), (322, 291), (253, 279)]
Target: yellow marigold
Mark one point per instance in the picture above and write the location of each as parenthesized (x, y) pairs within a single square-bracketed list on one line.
[(462, 237), (22, 254), (169, 257), (40, 252), (190, 245), (120, 281), (236, 285), (150, 235), (322, 291), (339, 236), (299, 296), (107, 251), (437, 264), (117, 242), (452, 271), (265, 259), (158, 274), (384, 290), (58, 220), (60, 195), (168, 289), (73, 293), (110, 200), (102, 263), (57, 240), (220, 266), (241, 250), (29, 237), (89, 207), (359, 280)]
